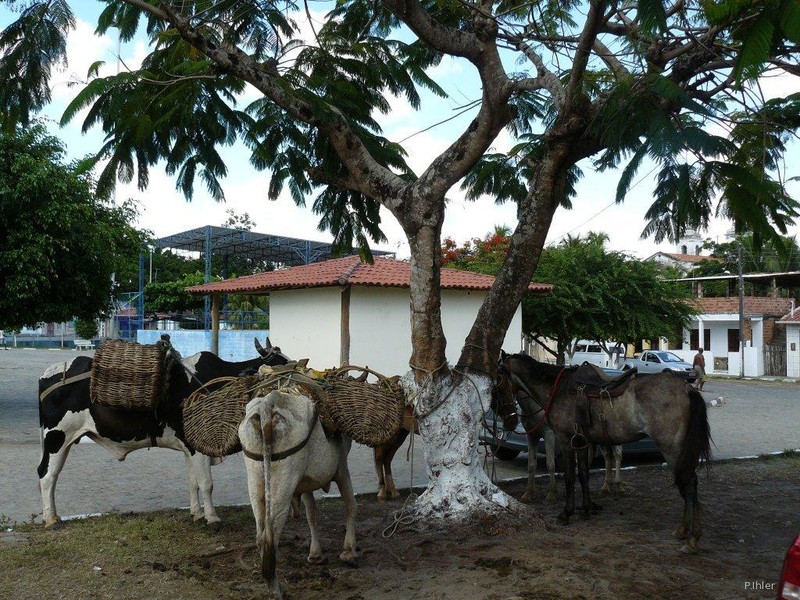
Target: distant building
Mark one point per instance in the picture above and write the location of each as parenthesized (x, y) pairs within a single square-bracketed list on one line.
[(686, 256)]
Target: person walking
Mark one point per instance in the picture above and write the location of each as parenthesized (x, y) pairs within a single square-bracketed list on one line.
[(699, 365)]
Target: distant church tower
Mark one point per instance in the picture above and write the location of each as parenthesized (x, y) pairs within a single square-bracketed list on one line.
[(690, 243)]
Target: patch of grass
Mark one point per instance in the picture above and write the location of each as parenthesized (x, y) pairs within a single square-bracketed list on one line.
[(787, 453), (119, 555)]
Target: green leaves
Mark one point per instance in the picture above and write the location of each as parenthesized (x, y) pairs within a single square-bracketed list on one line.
[(601, 295), (759, 31), (59, 243), (29, 48)]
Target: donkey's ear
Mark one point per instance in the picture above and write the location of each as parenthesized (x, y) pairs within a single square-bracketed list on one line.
[(503, 354)]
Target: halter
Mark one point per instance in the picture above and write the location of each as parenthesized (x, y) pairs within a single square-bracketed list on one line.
[(551, 396), (275, 456)]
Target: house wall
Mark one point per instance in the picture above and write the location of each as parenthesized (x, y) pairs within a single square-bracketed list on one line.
[(719, 324), (380, 329), (718, 359), (380, 326), (792, 350), (305, 324)]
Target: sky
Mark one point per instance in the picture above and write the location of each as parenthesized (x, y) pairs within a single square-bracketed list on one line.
[(165, 211)]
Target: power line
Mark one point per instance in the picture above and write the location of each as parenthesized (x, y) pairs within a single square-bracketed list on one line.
[(594, 216)]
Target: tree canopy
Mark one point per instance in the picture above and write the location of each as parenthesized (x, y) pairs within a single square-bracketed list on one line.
[(603, 295), (60, 243), (597, 294)]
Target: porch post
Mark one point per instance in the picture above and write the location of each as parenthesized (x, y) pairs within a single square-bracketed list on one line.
[(344, 331), (215, 302)]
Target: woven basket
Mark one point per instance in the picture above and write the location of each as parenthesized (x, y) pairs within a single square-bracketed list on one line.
[(370, 413), (211, 417), (129, 375)]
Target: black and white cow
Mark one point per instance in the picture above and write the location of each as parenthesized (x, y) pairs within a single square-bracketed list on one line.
[(66, 414)]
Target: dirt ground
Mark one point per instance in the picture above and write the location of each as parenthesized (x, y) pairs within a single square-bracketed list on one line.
[(627, 551)]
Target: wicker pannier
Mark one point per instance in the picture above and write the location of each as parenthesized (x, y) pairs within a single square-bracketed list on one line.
[(370, 413), (212, 414), (211, 417), (129, 375)]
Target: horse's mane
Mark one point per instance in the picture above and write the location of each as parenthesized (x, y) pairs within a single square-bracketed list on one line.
[(540, 370)]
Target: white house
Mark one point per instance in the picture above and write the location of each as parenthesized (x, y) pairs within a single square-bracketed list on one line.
[(686, 255), (343, 311), (791, 324), (718, 319)]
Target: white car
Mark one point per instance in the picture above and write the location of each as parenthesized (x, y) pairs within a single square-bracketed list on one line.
[(661, 361)]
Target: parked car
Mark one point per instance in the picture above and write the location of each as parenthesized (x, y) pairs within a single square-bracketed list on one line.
[(789, 584), (507, 445), (661, 361)]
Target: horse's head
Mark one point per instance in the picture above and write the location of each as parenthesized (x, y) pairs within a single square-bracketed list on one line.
[(503, 403)]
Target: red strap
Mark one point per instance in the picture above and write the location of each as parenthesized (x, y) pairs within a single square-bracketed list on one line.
[(549, 404)]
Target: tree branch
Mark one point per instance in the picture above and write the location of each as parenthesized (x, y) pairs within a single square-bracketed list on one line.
[(444, 39), (611, 61), (372, 178), (583, 52), (550, 80)]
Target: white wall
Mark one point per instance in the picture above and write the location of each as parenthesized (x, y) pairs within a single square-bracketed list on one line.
[(380, 326), (234, 345), (380, 329), (459, 309), (753, 361), (792, 355), (305, 324)]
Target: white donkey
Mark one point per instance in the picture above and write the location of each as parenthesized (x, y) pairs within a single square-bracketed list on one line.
[(287, 453)]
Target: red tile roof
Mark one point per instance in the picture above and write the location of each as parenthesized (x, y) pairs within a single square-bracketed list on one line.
[(350, 270), (688, 258), (792, 317), (773, 307)]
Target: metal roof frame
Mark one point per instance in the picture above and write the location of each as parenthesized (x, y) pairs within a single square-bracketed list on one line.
[(211, 240), (285, 251)]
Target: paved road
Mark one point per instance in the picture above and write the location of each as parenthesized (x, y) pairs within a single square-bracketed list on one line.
[(756, 417)]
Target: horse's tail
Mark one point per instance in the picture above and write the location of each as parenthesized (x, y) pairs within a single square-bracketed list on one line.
[(696, 442)]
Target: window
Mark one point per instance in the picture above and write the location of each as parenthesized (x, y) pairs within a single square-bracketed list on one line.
[(694, 342), (733, 340)]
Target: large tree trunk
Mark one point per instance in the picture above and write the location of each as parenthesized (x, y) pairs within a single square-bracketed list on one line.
[(450, 411), (535, 214), (449, 404)]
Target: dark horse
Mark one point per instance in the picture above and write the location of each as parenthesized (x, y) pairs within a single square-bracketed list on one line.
[(660, 405)]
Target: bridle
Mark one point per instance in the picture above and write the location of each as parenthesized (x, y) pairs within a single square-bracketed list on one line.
[(550, 397)]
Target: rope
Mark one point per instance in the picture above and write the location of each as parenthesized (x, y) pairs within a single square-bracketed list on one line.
[(64, 382), (398, 517), (401, 517), (471, 345), (549, 405), (430, 373)]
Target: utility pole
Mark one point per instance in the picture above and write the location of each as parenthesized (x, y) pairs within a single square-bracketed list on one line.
[(741, 313)]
